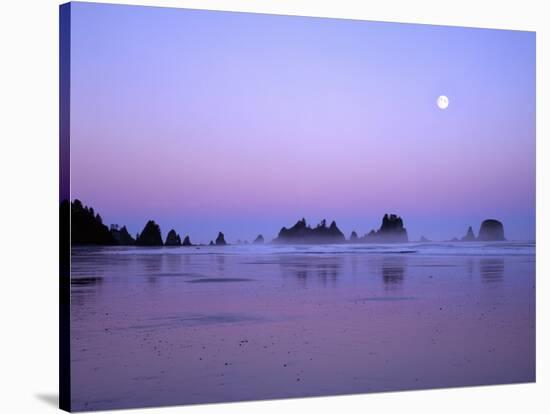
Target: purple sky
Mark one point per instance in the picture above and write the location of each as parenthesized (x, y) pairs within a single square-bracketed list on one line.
[(208, 121)]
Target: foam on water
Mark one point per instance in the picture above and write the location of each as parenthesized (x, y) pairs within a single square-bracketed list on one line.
[(429, 248)]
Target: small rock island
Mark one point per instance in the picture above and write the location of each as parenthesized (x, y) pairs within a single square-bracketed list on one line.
[(150, 235), (121, 236), (470, 236), (491, 230), (172, 239), (259, 239), (391, 231), (220, 240), (301, 232)]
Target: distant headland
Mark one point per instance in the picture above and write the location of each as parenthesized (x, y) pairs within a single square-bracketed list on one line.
[(87, 228)]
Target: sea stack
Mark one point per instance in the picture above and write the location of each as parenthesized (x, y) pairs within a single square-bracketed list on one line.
[(470, 236), (172, 239), (259, 239), (187, 241), (220, 240), (491, 230), (122, 236), (150, 235), (391, 231), (301, 232), (353, 237)]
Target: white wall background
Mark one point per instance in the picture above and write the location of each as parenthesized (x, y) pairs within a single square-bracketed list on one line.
[(29, 202)]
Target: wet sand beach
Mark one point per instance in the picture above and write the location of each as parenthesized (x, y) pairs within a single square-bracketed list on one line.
[(162, 326)]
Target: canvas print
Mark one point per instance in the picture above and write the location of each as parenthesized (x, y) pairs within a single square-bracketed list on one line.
[(259, 206)]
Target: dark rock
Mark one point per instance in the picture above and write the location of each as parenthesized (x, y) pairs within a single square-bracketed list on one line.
[(122, 236), (334, 232), (220, 240), (302, 233), (187, 241), (298, 231), (259, 239), (353, 237), (173, 239), (150, 235), (211, 243), (491, 230), (393, 225), (87, 227), (470, 236), (391, 231)]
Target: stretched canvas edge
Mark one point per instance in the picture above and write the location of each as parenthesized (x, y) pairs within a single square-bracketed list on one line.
[(64, 207)]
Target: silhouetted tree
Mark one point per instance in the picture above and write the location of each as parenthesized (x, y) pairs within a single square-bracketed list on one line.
[(87, 227)]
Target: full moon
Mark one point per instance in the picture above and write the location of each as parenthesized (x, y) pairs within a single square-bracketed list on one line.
[(443, 102)]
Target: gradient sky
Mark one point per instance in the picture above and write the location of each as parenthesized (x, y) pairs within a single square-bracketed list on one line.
[(208, 121)]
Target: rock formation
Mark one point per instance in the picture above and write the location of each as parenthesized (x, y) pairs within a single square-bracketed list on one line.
[(302, 233), (259, 239), (391, 231), (220, 240), (491, 230), (470, 236), (424, 239), (211, 243), (121, 236), (150, 235), (334, 232), (173, 239), (87, 228), (296, 232)]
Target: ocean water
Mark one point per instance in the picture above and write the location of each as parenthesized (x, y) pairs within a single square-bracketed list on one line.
[(164, 326)]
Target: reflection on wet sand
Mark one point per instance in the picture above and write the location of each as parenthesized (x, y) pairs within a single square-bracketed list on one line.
[(173, 262), (393, 271), (491, 269), (220, 280), (324, 269), (86, 281), (220, 259), (211, 326)]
